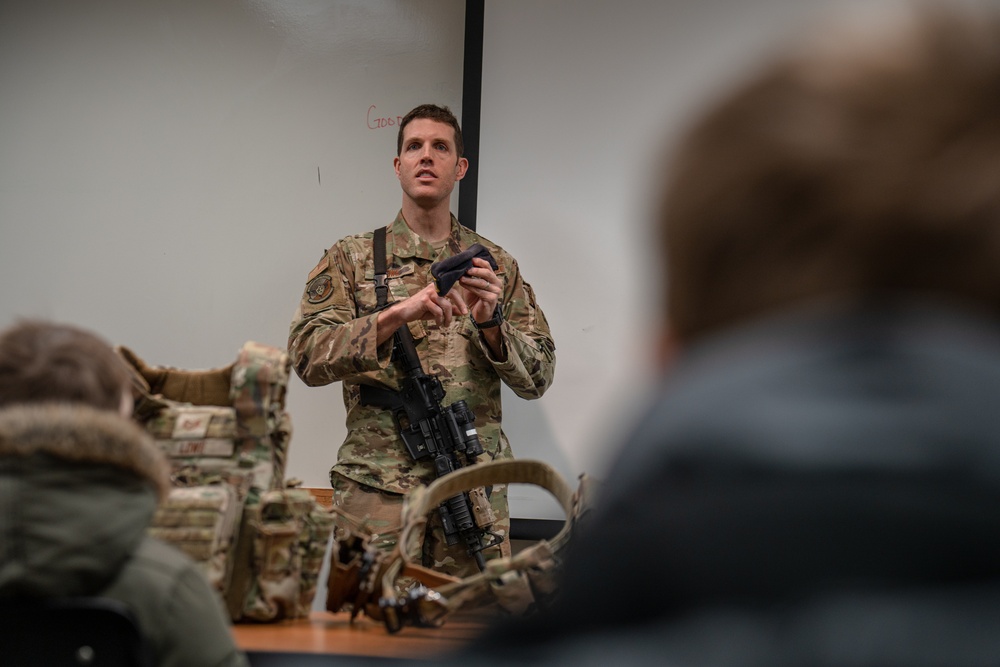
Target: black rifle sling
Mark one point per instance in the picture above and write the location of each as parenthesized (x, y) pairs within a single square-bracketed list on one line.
[(405, 347), (377, 396), (381, 285), (404, 339)]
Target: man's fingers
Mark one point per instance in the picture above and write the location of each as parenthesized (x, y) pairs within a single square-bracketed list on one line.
[(458, 301), (444, 308), (482, 278), (480, 284)]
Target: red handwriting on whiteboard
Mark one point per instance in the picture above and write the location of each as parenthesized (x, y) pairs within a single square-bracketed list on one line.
[(377, 122)]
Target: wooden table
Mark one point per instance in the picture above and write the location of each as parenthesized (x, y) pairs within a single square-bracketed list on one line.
[(327, 633)]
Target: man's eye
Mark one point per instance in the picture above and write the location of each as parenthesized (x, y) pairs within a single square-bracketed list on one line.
[(412, 147), (442, 147)]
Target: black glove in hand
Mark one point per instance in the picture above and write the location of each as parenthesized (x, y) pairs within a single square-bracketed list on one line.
[(447, 272)]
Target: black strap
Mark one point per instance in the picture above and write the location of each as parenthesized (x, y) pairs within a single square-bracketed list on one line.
[(381, 284), (405, 348)]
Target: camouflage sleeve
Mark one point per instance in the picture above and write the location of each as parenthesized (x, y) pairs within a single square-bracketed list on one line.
[(530, 365), (327, 340)]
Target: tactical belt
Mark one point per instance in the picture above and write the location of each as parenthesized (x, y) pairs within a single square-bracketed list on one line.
[(516, 584)]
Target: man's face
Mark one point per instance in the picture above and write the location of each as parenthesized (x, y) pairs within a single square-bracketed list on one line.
[(428, 166)]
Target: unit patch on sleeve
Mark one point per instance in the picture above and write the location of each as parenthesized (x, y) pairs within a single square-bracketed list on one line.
[(319, 289)]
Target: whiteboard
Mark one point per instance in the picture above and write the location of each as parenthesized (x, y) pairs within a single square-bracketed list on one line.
[(171, 171)]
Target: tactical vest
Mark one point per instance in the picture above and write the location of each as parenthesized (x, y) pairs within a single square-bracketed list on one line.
[(259, 541)]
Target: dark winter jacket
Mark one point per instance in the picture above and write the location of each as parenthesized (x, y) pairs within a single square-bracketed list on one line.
[(819, 487)]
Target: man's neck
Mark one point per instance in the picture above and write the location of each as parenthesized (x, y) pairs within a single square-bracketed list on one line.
[(431, 225)]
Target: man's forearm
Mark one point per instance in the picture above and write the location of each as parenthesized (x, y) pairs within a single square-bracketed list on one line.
[(386, 324)]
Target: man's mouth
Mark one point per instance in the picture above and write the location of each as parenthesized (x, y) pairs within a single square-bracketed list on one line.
[(426, 173)]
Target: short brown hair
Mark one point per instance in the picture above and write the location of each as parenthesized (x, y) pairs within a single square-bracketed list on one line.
[(46, 362), (863, 168), (431, 112)]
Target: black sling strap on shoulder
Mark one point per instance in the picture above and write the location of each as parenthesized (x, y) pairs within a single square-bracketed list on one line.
[(404, 339), (381, 284)]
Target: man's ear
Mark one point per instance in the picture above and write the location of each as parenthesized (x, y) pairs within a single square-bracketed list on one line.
[(461, 168)]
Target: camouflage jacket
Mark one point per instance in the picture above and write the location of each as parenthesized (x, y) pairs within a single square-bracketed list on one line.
[(332, 337)]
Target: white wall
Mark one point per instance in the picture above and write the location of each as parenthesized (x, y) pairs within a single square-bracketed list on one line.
[(170, 170)]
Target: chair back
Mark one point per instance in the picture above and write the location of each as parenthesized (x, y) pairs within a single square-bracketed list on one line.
[(70, 632)]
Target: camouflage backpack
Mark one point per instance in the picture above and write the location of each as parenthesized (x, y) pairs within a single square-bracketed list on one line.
[(259, 541)]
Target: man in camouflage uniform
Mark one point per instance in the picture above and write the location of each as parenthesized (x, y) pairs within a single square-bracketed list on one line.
[(489, 328)]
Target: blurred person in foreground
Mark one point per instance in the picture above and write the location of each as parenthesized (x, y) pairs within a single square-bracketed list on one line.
[(79, 483), (818, 480)]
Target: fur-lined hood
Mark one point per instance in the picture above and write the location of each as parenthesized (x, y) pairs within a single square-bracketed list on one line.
[(79, 489), (81, 434)]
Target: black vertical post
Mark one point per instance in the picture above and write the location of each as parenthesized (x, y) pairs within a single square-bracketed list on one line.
[(472, 98)]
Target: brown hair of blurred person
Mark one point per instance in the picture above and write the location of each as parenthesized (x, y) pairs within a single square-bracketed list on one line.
[(851, 168), (45, 362)]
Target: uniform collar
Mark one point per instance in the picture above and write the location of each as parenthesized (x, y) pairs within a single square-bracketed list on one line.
[(404, 243)]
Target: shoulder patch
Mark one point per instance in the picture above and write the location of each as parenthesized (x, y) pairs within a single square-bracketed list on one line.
[(319, 289), (323, 265)]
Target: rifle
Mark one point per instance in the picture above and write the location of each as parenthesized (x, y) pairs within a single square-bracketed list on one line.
[(446, 434)]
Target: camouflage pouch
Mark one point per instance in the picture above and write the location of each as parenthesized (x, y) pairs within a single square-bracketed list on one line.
[(202, 521), (286, 537), (226, 433)]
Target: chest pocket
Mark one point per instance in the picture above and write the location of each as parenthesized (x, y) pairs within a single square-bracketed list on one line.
[(364, 297), (402, 281)]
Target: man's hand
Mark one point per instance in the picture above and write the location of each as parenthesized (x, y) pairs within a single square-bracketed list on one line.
[(482, 289), (424, 305)]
